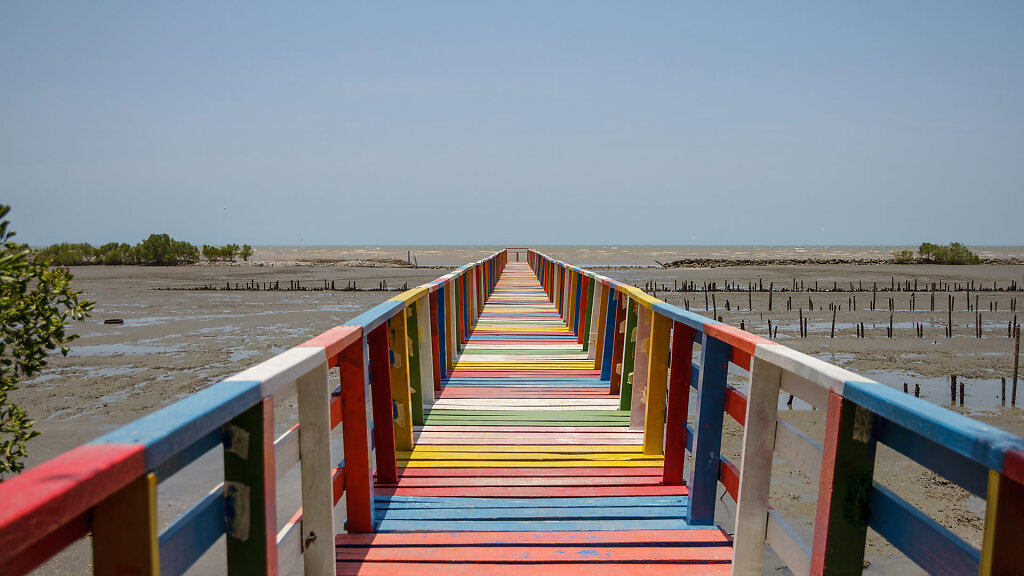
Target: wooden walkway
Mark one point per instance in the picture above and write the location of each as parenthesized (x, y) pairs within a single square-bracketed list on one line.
[(525, 462)]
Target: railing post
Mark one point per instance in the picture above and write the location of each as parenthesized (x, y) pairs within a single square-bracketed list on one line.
[(398, 337), (451, 327), (707, 441), (680, 375), (315, 463), (249, 491), (598, 322), (844, 490), (124, 531), (641, 351), (610, 330), (756, 467), (436, 337), (628, 356), (657, 384), (415, 368), (1004, 521), (355, 425), (587, 322), (426, 350), (383, 411), (619, 341)]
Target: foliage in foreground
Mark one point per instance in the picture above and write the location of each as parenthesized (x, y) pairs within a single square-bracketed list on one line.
[(928, 253), (36, 300), (157, 250)]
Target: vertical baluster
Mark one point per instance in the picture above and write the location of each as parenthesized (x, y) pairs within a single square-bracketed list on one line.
[(315, 463), (1004, 521), (638, 404), (414, 368), (680, 375), (597, 336), (426, 354), (608, 320), (124, 531), (436, 336), (249, 490), (383, 411), (707, 441), (756, 467), (355, 425), (844, 491), (628, 348), (657, 384), (400, 390)]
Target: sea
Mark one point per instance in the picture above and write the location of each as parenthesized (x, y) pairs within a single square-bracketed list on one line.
[(592, 256)]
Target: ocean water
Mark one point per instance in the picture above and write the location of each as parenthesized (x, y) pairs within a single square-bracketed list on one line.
[(611, 255)]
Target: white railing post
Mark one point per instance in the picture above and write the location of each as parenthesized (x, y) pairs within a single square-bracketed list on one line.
[(315, 461), (756, 467)]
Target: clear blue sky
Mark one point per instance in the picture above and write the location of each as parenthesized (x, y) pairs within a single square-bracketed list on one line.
[(523, 122)]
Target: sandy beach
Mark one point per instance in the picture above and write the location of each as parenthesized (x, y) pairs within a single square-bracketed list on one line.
[(176, 340)]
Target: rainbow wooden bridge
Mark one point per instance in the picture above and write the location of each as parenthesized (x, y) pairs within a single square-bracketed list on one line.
[(520, 415)]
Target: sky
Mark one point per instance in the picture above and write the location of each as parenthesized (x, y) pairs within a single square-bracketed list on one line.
[(478, 122)]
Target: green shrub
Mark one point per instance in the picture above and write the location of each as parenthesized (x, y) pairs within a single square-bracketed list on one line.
[(904, 256), (162, 250), (68, 254), (226, 253), (954, 253), (245, 252)]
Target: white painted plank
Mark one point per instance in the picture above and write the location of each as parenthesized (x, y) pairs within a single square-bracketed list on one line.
[(756, 467), (277, 375), (638, 406), (286, 452), (798, 449), (426, 351), (788, 545), (315, 462)]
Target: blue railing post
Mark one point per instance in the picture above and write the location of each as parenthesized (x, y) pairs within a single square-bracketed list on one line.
[(707, 441)]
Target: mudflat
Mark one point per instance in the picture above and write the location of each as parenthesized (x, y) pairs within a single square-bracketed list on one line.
[(176, 340)]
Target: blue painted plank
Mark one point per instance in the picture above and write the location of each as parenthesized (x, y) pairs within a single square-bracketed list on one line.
[(695, 321), (966, 473), (377, 315), (609, 336), (973, 439), (185, 541), (176, 427), (923, 540), (529, 525), (183, 458), (707, 442), (442, 338)]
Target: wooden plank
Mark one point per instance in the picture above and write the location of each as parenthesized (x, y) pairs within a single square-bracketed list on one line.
[(39, 501), (707, 442), (1004, 524), (596, 352), (434, 313), (317, 482), (707, 537), (415, 364), (192, 534), (678, 402), (800, 450), (250, 492), (379, 377), (124, 531), (844, 496), (788, 545), (655, 396), (536, 569), (641, 364), (756, 467), (930, 545), (610, 338), (531, 491), (401, 393), (355, 404), (628, 356)]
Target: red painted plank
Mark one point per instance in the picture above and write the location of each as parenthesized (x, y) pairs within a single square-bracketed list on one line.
[(678, 402), (41, 500), (466, 569), (736, 405), (334, 341), (530, 481)]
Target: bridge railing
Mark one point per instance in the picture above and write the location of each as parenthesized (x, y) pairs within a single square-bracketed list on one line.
[(644, 347), (388, 362)]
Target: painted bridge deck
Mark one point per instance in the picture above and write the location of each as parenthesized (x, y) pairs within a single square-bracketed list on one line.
[(525, 462)]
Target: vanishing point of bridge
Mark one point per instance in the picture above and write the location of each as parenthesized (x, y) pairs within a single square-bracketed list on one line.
[(520, 415)]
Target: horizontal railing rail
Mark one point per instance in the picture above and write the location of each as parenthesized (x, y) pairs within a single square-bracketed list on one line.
[(644, 348), (389, 360)]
